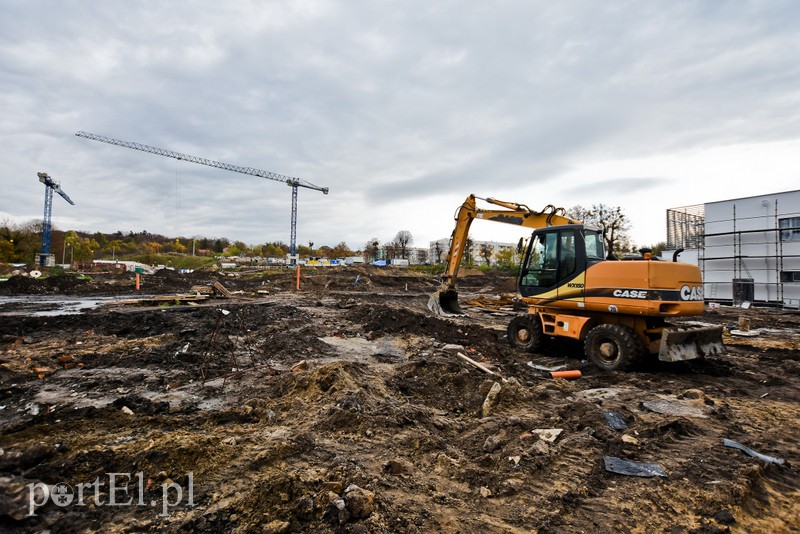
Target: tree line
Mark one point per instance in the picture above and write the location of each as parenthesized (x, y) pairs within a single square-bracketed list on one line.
[(20, 244)]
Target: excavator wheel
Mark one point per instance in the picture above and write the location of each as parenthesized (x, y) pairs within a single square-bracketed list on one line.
[(525, 332), (612, 347)]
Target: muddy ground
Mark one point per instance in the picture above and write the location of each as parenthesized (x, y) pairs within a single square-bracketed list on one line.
[(340, 408)]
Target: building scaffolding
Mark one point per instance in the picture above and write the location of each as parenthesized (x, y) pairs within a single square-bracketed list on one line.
[(748, 261)]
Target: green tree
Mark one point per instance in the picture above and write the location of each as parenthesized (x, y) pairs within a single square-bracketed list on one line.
[(372, 249), (507, 259), (244, 250)]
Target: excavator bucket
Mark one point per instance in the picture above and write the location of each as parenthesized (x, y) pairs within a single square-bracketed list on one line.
[(688, 343), (445, 303)]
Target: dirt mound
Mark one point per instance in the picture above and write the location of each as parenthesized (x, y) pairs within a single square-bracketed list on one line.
[(25, 285), (382, 320)]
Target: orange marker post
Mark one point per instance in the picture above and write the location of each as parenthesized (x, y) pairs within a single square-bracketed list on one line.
[(298, 277), (137, 281)]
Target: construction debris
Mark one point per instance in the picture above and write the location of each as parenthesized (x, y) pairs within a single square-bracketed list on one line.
[(633, 469), (751, 452)]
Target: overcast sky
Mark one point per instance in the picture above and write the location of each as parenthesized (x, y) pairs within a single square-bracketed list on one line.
[(401, 108)]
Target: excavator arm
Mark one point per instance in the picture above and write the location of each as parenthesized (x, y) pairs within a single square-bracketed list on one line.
[(445, 301)]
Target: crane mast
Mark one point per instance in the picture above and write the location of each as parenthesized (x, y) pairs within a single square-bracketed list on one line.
[(50, 185), (294, 183)]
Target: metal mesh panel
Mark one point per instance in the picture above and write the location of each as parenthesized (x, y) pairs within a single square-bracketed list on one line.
[(685, 227)]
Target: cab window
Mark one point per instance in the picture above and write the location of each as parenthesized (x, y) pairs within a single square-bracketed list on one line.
[(553, 257)]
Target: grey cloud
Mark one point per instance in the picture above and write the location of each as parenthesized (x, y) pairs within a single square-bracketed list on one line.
[(379, 102)]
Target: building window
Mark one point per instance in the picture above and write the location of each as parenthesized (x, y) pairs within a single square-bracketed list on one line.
[(790, 276), (790, 229)]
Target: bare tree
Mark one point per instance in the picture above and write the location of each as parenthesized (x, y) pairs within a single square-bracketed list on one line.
[(403, 240), (437, 249), (612, 222)]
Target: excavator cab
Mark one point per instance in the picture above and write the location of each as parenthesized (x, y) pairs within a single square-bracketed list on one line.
[(557, 254)]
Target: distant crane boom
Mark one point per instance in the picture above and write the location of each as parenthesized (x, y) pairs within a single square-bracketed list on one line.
[(50, 185), (294, 183)]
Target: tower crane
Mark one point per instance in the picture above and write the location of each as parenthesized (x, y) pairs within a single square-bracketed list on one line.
[(294, 183), (50, 185)]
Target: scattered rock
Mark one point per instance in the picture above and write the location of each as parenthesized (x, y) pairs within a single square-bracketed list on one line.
[(359, 501), (627, 438), (304, 508), (275, 527), (490, 399), (453, 348), (511, 486), (397, 466), (302, 365), (485, 492), (491, 444), (540, 448), (337, 509)]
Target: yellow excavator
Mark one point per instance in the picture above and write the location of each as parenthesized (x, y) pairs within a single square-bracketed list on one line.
[(620, 310)]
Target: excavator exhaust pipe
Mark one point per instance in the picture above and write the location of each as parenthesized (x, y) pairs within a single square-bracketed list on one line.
[(445, 303)]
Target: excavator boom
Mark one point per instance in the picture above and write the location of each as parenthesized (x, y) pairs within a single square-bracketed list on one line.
[(445, 301)]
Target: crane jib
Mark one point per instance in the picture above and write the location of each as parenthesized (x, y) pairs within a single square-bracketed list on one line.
[(290, 181), (294, 183)]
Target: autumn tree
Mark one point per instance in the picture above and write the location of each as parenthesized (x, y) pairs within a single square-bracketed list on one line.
[(275, 250), (341, 250)]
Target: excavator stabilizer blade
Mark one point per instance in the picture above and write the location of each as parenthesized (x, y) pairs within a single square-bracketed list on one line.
[(445, 303), (688, 343)]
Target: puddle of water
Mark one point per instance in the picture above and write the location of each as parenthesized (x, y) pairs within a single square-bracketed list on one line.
[(50, 306)]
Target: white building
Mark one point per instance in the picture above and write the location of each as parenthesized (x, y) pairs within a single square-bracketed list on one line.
[(747, 248), (437, 251)]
